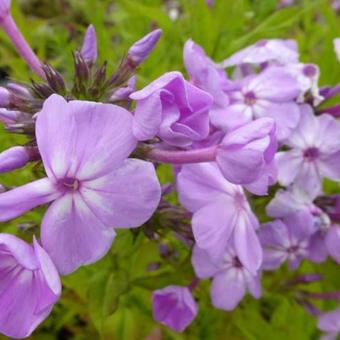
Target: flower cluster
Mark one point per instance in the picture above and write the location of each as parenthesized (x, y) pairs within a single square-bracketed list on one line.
[(234, 131)]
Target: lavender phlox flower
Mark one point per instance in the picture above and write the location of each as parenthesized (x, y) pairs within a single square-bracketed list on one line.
[(230, 279), (267, 50), (286, 240), (93, 185), (221, 213), (174, 307), (272, 93), (89, 49), (29, 286), (173, 109), (336, 43), (314, 152), (330, 324), (142, 48)]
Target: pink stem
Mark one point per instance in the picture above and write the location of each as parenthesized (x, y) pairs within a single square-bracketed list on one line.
[(183, 157), (10, 27)]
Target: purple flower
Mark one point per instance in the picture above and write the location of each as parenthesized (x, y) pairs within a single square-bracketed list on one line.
[(5, 6), (29, 286), (286, 240), (314, 153), (141, 49), (330, 323), (91, 182), (89, 49), (231, 279), (205, 74), (337, 47), (267, 50), (221, 213), (173, 109), (332, 242), (174, 306), (245, 155), (272, 93)]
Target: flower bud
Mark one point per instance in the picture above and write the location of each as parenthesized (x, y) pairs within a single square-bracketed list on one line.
[(141, 49), (13, 158), (4, 8), (174, 307), (89, 50)]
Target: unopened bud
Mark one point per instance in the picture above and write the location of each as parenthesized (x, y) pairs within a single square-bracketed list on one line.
[(13, 158), (141, 49), (89, 48)]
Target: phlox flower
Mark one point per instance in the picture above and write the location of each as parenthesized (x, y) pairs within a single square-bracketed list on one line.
[(174, 306), (314, 152), (221, 213), (231, 279), (90, 182), (172, 109)]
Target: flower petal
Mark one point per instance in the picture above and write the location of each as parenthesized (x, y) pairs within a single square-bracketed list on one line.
[(228, 289), (127, 197), (17, 201), (83, 139), (73, 235), (212, 227)]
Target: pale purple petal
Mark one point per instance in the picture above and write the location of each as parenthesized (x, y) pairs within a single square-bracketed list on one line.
[(281, 51), (203, 265), (127, 197), (228, 289), (247, 244), (274, 84), (103, 139), (307, 131), (286, 116), (317, 250), (231, 116), (29, 286), (201, 184), (333, 243), (330, 322), (289, 201), (17, 201), (89, 49), (82, 238), (289, 164), (244, 152), (213, 225), (254, 285), (174, 306)]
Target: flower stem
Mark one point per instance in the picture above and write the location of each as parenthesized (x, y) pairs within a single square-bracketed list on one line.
[(183, 157), (10, 27)]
